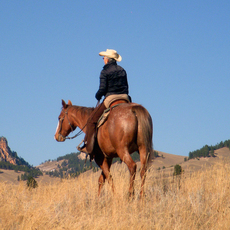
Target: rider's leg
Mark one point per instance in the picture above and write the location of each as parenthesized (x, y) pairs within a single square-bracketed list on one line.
[(91, 127)]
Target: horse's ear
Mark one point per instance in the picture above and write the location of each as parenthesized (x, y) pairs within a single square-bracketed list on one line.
[(69, 102), (64, 104)]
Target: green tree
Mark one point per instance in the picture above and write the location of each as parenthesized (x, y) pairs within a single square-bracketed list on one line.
[(177, 170), (31, 183), (155, 154)]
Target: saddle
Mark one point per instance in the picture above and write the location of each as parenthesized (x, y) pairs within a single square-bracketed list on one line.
[(101, 121), (106, 112)]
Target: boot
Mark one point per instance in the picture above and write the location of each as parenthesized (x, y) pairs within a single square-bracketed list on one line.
[(83, 148), (91, 130), (89, 144)]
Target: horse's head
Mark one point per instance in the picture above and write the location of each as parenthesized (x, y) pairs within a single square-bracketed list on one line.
[(65, 124)]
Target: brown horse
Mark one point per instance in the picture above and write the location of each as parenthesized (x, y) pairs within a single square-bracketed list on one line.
[(128, 129)]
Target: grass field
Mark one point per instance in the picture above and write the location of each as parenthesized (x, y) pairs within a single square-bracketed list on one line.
[(198, 200)]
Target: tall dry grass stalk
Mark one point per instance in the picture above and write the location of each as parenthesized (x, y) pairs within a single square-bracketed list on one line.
[(191, 201)]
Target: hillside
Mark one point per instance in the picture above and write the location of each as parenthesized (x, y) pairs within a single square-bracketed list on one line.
[(73, 164), (11, 177), (6, 155), (221, 155), (165, 162), (78, 159), (9, 160)]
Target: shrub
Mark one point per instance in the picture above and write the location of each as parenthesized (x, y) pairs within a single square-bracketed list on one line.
[(177, 170), (31, 183), (156, 154)]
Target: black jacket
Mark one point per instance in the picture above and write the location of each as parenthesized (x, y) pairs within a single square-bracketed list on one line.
[(113, 80)]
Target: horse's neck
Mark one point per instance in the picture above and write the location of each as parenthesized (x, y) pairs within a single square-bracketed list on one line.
[(80, 116)]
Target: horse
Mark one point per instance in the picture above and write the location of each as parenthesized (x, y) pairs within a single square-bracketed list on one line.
[(128, 129)]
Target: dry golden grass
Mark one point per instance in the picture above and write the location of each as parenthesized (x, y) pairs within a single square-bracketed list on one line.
[(193, 201)]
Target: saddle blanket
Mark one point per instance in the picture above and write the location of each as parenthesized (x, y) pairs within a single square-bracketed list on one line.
[(103, 117)]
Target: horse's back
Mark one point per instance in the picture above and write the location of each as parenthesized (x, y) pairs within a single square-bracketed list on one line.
[(122, 117), (120, 129)]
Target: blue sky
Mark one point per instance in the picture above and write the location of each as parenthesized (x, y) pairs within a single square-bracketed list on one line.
[(176, 54)]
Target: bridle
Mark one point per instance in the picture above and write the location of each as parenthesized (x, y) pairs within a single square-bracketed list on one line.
[(72, 128)]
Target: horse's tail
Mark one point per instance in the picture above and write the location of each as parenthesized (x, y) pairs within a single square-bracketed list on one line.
[(145, 129)]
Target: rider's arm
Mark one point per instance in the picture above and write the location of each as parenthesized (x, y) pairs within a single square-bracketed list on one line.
[(103, 86)]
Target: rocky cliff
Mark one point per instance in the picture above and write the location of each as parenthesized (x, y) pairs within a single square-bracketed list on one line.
[(5, 152)]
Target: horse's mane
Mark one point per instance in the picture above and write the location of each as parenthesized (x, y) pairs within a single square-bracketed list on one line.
[(85, 111)]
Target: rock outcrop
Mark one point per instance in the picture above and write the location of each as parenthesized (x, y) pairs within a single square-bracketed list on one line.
[(5, 152)]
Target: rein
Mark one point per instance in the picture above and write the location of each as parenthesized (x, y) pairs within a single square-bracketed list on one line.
[(79, 133)]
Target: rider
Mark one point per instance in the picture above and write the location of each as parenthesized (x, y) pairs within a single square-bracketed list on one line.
[(113, 86)]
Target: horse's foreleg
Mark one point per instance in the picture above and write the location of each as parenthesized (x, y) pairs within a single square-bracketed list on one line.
[(105, 164), (132, 169), (101, 182)]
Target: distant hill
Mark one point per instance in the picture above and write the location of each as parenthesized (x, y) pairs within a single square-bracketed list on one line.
[(165, 163), (6, 155), (191, 165), (71, 164), (74, 163), (207, 151), (221, 155), (165, 160), (9, 160)]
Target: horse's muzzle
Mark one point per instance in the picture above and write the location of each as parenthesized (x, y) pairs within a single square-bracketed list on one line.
[(59, 138)]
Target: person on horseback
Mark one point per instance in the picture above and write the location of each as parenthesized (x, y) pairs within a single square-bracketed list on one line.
[(113, 86)]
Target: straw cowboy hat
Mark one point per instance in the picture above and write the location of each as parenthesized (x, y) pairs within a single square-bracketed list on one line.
[(111, 54)]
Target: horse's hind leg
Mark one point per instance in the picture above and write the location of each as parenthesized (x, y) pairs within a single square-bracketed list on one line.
[(143, 169), (105, 164)]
